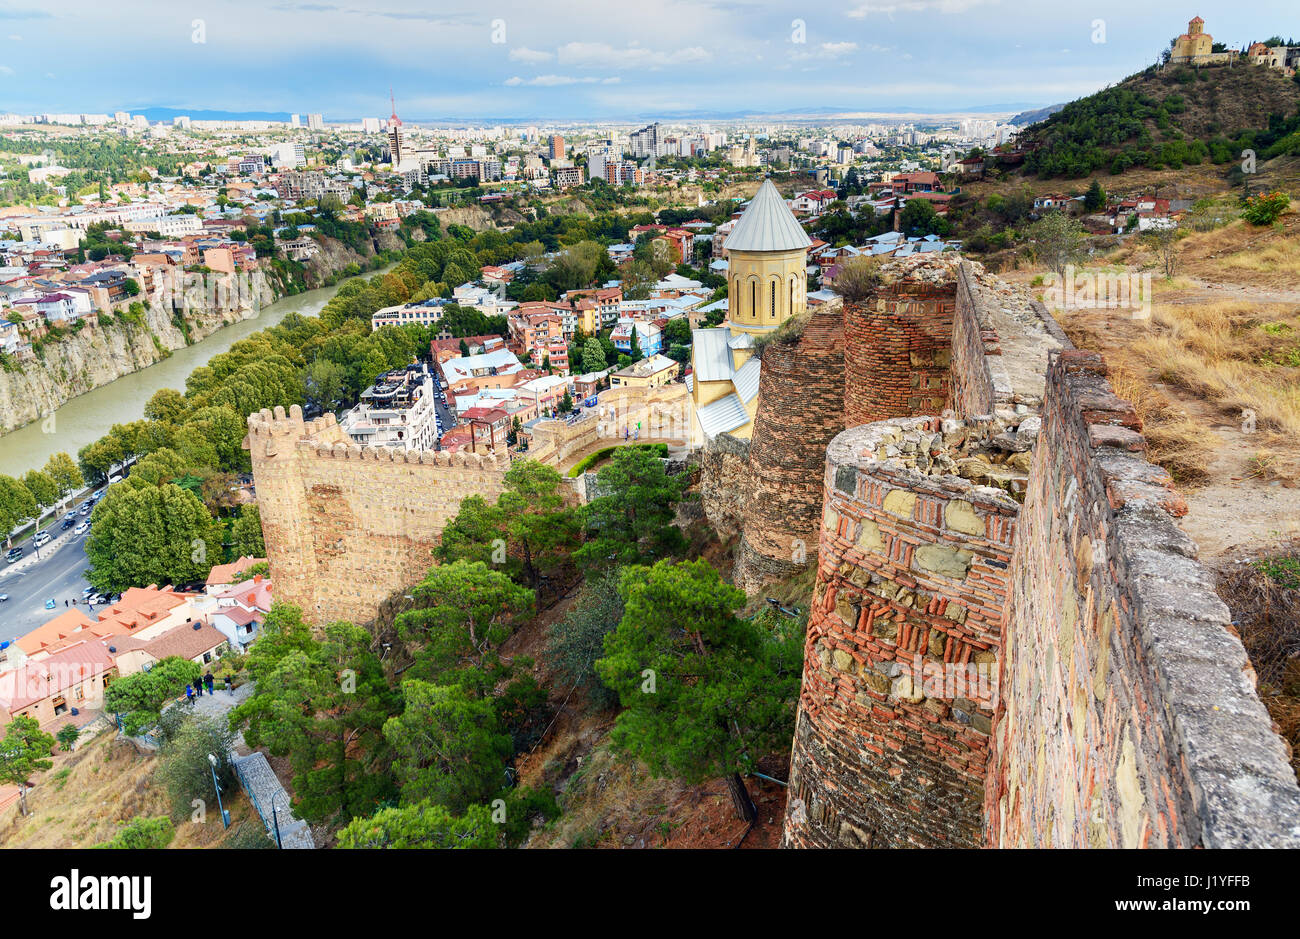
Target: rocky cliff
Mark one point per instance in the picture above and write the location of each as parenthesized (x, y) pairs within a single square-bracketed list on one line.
[(96, 355)]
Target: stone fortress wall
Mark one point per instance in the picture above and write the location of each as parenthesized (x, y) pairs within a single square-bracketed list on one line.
[(347, 525), (1010, 642)]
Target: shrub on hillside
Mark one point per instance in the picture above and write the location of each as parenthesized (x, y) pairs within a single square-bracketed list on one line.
[(1265, 207)]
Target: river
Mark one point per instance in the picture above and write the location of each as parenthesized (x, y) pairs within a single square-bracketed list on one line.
[(86, 418)]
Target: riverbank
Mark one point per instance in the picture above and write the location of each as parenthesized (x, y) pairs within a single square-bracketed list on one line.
[(83, 419), (97, 354)]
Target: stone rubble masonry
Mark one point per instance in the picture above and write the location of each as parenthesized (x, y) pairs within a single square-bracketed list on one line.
[(724, 483), (1128, 713), (892, 743), (801, 408), (347, 525)]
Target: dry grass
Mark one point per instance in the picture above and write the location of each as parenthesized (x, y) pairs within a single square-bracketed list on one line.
[(1176, 441), (1239, 356), (87, 795), (1263, 258), (1267, 617)]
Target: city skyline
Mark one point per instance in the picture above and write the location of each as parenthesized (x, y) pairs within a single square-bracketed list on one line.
[(721, 59)]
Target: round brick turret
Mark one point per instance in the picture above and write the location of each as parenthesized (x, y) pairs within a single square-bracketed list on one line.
[(801, 408), (898, 350)]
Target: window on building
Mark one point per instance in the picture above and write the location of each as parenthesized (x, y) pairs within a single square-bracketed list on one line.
[(773, 299), (753, 299)]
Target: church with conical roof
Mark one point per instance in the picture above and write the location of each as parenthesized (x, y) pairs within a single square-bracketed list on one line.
[(767, 283)]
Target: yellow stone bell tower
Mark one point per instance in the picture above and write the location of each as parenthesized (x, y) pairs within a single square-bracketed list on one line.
[(767, 283)]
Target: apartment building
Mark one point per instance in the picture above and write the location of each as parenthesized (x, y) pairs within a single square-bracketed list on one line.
[(397, 411)]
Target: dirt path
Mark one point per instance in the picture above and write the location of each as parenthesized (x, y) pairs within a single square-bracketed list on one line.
[(1236, 513)]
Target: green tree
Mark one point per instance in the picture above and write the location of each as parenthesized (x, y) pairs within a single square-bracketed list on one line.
[(24, 750), (425, 825), (247, 532), (323, 703), (43, 489), (630, 522), (184, 769), (168, 405), (17, 504), (139, 698), (721, 690), (577, 640), (1057, 240), (448, 747), (63, 470), (67, 737), (325, 384), (593, 356), (467, 611), (527, 533), (1095, 197), (156, 535)]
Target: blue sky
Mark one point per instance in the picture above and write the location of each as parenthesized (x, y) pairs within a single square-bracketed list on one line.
[(588, 59)]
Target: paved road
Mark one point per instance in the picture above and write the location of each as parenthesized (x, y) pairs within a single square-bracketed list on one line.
[(59, 573)]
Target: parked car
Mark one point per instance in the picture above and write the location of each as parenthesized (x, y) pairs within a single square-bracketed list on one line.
[(13, 554), (81, 529), (3, 597), (87, 591), (97, 600), (41, 538)]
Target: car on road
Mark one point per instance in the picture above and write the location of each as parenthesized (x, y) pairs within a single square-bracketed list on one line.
[(41, 538), (3, 597), (13, 554), (70, 517), (67, 523), (81, 529), (84, 510)]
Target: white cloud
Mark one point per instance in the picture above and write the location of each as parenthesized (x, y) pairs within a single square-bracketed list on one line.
[(531, 56), (551, 81), (6, 70), (604, 55), (890, 7), (15, 38), (838, 48)]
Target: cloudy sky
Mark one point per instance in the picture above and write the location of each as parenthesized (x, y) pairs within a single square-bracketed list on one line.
[(580, 59)]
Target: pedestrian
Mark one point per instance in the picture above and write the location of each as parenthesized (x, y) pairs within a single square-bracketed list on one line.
[(198, 688), (230, 686), (189, 694), (65, 602), (207, 680)]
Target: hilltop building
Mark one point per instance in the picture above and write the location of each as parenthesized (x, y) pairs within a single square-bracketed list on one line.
[(1196, 47), (767, 258)]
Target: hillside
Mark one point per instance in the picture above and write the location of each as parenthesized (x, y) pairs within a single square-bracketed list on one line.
[(1168, 118)]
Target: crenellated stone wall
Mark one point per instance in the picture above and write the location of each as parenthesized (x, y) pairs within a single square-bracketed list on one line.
[(346, 525)]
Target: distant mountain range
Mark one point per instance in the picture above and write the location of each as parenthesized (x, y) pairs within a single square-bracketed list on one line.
[(820, 113), (1033, 117), (166, 114)]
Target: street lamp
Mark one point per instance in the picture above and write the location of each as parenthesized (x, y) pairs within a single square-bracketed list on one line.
[(225, 816), (275, 816)]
